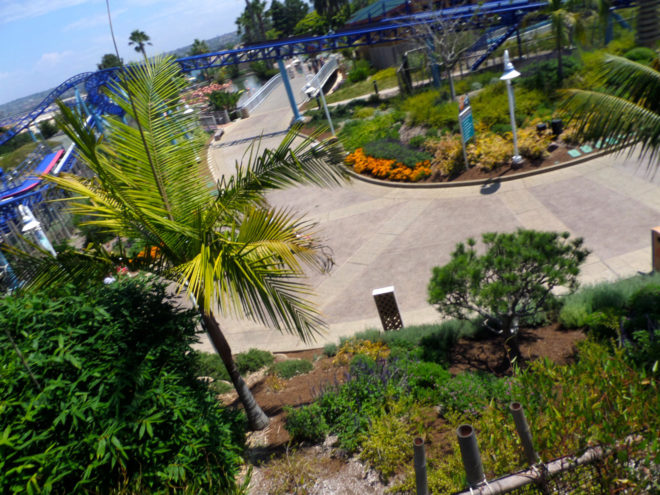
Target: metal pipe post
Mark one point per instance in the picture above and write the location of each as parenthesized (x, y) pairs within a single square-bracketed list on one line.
[(327, 112), (289, 91), (516, 155), (467, 441), (420, 467), (522, 427)]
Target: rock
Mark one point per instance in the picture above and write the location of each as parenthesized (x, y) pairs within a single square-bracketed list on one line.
[(280, 357)]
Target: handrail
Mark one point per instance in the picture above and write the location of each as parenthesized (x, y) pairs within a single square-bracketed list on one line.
[(325, 72), (256, 99)]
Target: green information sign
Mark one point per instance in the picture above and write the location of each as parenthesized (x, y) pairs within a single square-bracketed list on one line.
[(467, 124)]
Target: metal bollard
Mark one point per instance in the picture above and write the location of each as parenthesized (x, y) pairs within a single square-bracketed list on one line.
[(523, 432), (467, 441), (420, 467)]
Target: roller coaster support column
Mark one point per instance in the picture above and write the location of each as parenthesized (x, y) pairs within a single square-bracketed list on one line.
[(289, 91), (83, 107)]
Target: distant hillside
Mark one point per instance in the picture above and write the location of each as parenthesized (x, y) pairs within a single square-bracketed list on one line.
[(25, 104), (222, 42)]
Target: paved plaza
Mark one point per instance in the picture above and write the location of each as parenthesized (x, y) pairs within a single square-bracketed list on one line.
[(384, 236)]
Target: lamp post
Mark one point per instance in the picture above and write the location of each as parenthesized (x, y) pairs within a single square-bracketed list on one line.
[(312, 92), (511, 73), (32, 225)]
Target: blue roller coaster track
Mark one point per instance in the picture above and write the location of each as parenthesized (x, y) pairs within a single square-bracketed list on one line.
[(503, 14)]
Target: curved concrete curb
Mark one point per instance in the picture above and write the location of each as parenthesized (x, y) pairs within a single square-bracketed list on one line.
[(479, 182)]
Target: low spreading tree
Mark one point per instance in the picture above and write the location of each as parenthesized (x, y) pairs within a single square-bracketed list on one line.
[(512, 280)]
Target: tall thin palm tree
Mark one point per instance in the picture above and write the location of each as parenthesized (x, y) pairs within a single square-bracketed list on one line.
[(140, 39), (625, 108), (228, 250), (564, 21)]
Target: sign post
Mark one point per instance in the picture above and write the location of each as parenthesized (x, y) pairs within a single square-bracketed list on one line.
[(466, 124)]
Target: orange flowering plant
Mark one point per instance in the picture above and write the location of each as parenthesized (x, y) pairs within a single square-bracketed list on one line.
[(383, 168)]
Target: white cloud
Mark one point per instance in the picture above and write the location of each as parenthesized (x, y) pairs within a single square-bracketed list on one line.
[(52, 59), (14, 10)]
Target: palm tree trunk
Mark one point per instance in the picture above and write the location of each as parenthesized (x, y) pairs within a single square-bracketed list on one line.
[(560, 65), (256, 417)]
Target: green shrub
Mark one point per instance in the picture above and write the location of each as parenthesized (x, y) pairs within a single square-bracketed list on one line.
[(330, 350), (350, 408), (360, 71), (224, 100), (221, 387), (263, 69), (641, 54), (210, 364), (306, 423), (356, 133), (394, 150), (601, 297), (417, 141), (104, 395), (364, 112), (292, 367), (426, 380), (429, 109), (470, 392), (253, 360)]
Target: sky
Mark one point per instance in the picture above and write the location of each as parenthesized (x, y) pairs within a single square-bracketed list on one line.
[(45, 42)]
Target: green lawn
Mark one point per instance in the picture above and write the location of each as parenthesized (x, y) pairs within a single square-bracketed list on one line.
[(359, 89)]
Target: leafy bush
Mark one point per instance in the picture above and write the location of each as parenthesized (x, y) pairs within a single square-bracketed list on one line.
[(394, 150), (428, 109), (614, 296), (641, 54), (263, 69), (103, 394), (361, 70), (291, 367), (306, 423), (372, 349), (531, 144), (349, 408), (48, 129), (210, 364), (364, 112), (426, 380), (253, 360), (330, 350), (357, 133), (417, 141), (224, 100), (470, 392)]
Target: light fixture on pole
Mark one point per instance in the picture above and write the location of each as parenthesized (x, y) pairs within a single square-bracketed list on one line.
[(32, 225), (312, 92), (511, 73)]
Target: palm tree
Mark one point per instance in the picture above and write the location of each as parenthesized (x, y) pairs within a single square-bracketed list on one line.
[(563, 21), (229, 251), (139, 39), (199, 47), (625, 108)]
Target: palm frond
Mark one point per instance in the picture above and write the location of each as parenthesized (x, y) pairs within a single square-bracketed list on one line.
[(631, 80), (602, 116)]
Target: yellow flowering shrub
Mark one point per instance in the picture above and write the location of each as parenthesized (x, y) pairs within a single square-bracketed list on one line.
[(447, 154), (489, 150), (532, 144), (350, 348), (382, 168)]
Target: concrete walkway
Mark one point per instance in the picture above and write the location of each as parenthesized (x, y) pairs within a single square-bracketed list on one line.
[(390, 236), (274, 115)]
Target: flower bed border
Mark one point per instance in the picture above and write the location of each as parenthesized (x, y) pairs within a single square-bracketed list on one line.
[(480, 182)]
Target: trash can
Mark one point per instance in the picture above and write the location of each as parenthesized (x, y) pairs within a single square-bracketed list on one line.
[(557, 126)]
